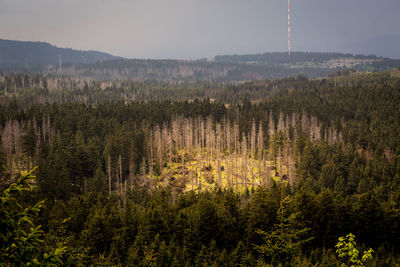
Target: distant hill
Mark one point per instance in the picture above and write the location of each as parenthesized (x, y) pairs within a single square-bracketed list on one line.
[(229, 67), (43, 58), (22, 55), (279, 58)]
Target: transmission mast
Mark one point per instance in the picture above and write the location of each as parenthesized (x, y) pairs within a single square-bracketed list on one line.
[(288, 17)]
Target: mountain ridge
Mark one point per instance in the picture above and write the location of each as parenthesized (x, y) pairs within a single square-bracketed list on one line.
[(28, 55), (44, 58)]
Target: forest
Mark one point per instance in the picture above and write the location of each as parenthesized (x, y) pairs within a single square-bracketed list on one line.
[(47, 60), (288, 172)]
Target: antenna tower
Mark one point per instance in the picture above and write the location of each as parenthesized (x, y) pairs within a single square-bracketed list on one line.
[(288, 17)]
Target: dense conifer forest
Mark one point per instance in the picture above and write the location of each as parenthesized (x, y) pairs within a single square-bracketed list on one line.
[(151, 173)]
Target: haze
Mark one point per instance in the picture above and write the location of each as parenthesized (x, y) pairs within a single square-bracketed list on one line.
[(189, 29)]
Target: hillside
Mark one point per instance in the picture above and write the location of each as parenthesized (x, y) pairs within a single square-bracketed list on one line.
[(229, 68), (312, 60), (43, 58), (35, 89), (28, 56)]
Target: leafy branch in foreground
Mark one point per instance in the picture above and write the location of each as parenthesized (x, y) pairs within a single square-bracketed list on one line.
[(349, 254), (20, 238)]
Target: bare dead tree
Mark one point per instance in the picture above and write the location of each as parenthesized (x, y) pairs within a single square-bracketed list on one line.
[(143, 171), (228, 136), (291, 168), (305, 123), (109, 174), (260, 149), (218, 137), (281, 123), (253, 140), (151, 167), (202, 134), (294, 124), (209, 137), (244, 159), (219, 172), (158, 145), (120, 174), (315, 131), (271, 124), (17, 133)]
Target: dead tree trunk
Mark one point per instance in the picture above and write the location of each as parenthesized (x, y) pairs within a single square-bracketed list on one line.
[(120, 174), (109, 174)]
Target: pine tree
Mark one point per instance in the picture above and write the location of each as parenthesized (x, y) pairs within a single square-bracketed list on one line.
[(285, 240)]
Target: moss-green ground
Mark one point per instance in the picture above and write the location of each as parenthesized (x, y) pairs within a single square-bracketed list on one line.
[(200, 172)]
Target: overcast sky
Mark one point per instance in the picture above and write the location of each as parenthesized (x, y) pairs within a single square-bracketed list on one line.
[(203, 28)]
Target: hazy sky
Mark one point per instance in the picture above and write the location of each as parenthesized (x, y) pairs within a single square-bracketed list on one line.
[(201, 28)]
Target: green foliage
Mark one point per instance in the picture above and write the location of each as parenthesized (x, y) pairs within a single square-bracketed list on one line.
[(285, 240), (349, 254), (348, 180), (4, 175), (21, 239)]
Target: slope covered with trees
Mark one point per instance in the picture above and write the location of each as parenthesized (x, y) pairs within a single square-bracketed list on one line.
[(229, 68), (278, 58), (45, 59), (33, 56), (277, 179)]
